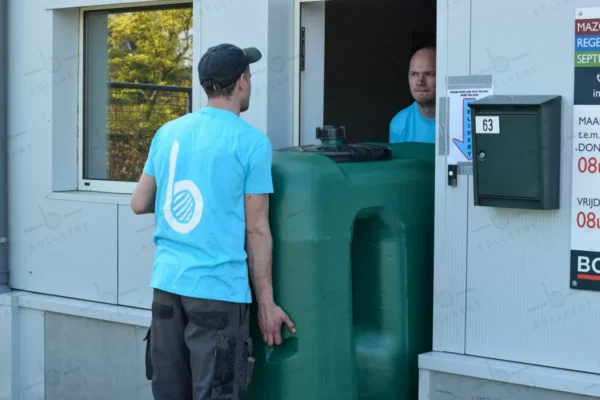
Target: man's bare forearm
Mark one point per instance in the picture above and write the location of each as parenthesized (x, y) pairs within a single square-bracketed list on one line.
[(144, 195), (259, 245), (144, 208), (149, 207)]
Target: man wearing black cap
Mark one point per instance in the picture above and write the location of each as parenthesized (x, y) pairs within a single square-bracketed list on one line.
[(208, 180)]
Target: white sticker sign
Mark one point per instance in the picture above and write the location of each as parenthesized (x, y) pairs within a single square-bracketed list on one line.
[(460, 125), (487, 124)]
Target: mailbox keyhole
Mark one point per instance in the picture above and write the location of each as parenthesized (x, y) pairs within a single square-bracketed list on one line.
[(482, 155)]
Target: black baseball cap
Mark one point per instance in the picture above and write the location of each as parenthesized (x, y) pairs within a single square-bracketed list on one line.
[(223, 64)]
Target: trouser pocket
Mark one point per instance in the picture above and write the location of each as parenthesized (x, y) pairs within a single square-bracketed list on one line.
[(247, 366), (149, 368), (225, 367), (224, 379)]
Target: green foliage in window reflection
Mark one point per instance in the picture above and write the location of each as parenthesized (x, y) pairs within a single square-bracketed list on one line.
[(145, 47)]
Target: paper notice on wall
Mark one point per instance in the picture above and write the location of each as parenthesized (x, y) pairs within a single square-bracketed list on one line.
[(585, 195), (459, 124)]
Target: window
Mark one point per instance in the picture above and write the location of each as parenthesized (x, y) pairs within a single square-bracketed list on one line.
[(136, 75)]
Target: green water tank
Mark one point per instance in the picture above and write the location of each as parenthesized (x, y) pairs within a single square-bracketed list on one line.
[(353, 267)]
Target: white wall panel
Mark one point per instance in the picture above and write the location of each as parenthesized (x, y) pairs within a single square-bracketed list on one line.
[(136, 254), (518, 261), (453, 33), (69, 246), (56, 247)]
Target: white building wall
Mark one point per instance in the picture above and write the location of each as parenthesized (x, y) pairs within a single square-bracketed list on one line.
[(58, 247), (502, 282), (78, 249), (496, 296), (519, 262), (450, 251), (91, 246)]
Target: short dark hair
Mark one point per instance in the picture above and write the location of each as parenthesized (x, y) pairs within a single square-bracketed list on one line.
[(208, 85)]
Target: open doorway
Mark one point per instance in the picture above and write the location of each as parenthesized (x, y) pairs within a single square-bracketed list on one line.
[(354, 60)]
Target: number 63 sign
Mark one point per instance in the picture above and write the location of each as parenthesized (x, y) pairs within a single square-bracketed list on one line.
[(487, 124)]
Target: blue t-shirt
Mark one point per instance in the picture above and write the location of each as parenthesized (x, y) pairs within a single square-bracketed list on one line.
[(410, 126), (204, 163)]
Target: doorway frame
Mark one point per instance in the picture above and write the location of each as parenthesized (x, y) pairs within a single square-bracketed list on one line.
[(297, 112)]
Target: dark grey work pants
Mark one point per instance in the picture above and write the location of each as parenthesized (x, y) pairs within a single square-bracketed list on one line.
[(198, 349)]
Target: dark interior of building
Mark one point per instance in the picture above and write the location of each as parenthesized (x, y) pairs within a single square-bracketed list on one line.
[(368, 46)]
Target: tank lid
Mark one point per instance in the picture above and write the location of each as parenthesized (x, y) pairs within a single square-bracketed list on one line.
[(331, 132), (332, 146)]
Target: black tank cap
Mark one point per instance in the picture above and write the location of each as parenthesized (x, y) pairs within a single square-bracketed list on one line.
[(332, 147), (331, 132)]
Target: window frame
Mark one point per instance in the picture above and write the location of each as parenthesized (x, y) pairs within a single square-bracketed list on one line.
[(100, 185)]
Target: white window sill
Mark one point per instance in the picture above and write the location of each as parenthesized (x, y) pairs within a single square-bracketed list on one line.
[(91, 197), (79, 308)]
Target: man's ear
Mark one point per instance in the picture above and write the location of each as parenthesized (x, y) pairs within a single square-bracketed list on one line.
[(241, 82)]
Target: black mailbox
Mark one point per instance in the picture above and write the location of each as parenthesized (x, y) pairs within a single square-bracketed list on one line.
[(516, 158)]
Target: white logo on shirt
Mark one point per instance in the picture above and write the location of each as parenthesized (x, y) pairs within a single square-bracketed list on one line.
[(184, 204)]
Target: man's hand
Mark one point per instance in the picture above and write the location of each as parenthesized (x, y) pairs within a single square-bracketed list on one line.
[(259, 244), (270, 319)]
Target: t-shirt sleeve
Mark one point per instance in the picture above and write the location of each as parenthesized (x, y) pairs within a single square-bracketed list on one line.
[(396, 129), (258, 177), (393, 133), (149, 166)]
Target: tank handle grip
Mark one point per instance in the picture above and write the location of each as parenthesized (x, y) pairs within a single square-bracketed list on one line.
[(286, 350)]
